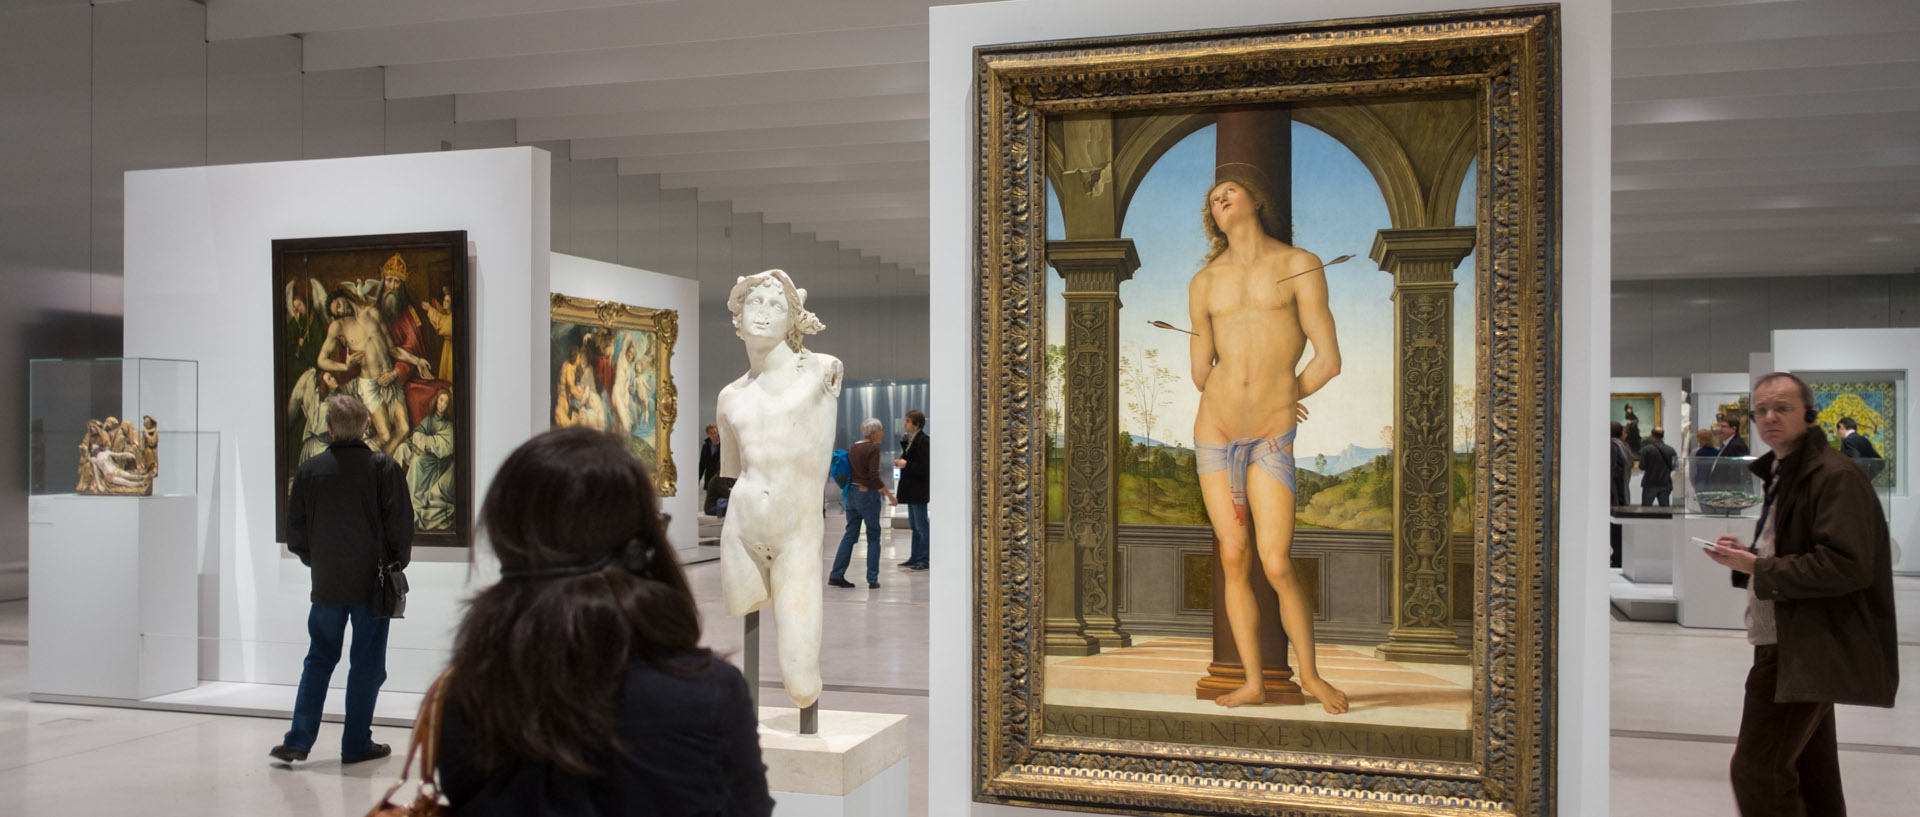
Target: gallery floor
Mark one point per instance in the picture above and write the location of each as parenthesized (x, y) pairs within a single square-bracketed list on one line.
[(1676, 699)]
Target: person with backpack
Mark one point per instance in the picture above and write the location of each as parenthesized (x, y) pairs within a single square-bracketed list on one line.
[(862, 491)]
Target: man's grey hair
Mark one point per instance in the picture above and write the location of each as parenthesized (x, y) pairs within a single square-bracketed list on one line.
[(346, 417), (800, 322), (870, 425)]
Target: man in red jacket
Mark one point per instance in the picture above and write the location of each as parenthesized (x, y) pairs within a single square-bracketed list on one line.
[(1819, 609)]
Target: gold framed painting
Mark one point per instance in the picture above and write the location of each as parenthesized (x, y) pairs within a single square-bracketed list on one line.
[(610, 371), (1267, 339)]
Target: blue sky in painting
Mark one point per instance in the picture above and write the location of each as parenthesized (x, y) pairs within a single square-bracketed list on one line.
[(1337, 209)]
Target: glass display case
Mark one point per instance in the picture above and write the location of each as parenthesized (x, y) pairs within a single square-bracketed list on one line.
[(1727, 487), (1718, 486), (113, 426)]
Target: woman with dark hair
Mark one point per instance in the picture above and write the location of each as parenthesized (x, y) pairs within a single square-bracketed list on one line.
[(578, 686)]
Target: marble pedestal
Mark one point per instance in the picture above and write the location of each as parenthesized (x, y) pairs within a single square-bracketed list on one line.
[(114, 586), (855, 766), (1704, 590), (1646, 548)]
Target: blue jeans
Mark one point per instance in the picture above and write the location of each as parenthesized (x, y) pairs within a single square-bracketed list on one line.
[(1654, 496), (367, 670), (917, 519), (862, 506)]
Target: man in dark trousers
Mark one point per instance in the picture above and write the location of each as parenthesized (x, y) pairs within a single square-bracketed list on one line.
[(710, 490), (709, 455), (863, 506), (1622, 467), (913, 486), (347, 517), (1657, 463), (1856, 446), (1819, 609)]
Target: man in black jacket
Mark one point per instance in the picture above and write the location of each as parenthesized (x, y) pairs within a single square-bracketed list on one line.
[(1856, 446), (348, 515), (1728, 430), (1657, 461), (913, 486), (1621, 462)]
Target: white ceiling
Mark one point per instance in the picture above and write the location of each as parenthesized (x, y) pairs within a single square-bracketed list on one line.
[(1751, 137)]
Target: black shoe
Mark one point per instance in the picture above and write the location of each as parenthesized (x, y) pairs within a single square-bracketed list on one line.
[(285, 755), (835, 581), (374, 752), (906, 564), (873, 585), (921, 566)]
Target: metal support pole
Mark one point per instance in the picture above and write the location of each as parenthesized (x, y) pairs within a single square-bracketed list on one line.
[(750, 653)]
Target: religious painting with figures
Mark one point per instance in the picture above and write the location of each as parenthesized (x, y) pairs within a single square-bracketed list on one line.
[(610, 371), (1257, 354), (383, 318), (1262, 378)]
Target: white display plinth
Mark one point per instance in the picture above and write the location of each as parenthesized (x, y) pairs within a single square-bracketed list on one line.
[(854, 767), (1646, 549), (1703, 590), (113, 586)]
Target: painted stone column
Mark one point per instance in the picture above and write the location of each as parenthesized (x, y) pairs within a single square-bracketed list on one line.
[(1080, 615), (1421, 261)]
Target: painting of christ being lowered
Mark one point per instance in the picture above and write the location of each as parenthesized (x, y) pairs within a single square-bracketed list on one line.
[(1285, 560)]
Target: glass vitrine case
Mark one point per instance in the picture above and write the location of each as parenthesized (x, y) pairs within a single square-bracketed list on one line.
[(113, 426)]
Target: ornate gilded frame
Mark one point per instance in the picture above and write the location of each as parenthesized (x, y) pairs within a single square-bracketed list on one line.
[(665, 325), (1508, 59)]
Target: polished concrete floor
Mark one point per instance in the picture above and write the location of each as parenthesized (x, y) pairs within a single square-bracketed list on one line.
[(1676, 698)]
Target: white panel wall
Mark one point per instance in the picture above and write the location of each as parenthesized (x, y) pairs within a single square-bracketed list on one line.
[(198, 286), (586, 278), (1870, 350), (1586, 85), (1668, 328)]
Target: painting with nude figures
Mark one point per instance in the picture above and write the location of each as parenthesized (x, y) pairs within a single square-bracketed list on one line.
[(609, 371), (1238, 498), (383, 318)]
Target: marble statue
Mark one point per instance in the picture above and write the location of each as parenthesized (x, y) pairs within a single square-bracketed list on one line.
[(776, 442)]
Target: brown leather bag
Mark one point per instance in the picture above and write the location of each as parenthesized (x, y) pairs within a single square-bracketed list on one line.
[(426, 745)]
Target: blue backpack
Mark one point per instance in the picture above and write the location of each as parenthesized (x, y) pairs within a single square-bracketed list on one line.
[(842, 473)]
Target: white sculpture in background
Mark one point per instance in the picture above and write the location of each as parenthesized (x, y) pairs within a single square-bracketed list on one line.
[(1686, 441), (776, 441)]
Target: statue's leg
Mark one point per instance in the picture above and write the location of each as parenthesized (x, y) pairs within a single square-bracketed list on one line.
[(796, 610)]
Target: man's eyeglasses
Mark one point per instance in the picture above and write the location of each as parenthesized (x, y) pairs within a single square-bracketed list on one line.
[(1784, 411)]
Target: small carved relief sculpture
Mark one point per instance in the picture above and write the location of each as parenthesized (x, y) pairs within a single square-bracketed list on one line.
[(118, 459)]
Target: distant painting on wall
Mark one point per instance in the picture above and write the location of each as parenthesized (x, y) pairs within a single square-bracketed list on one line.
[(1638, 413), (610, 372), (1871, 404), (383, 318)]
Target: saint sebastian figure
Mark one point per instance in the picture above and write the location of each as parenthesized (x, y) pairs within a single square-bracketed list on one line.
[(776, 432), (1254, 307)]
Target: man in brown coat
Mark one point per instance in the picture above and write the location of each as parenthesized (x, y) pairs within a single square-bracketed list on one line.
[(1819, 610)]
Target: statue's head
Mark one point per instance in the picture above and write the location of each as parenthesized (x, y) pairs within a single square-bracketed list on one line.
[(767, 304)]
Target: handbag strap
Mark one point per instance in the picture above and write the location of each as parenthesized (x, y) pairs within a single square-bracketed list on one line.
[(425, 743)]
